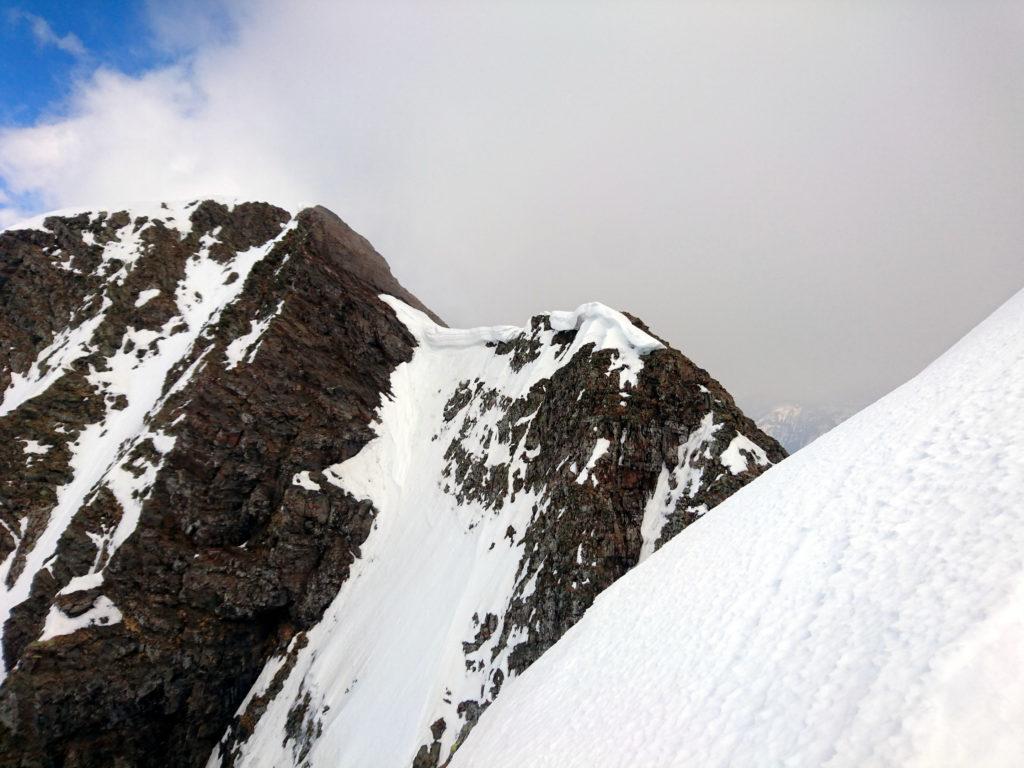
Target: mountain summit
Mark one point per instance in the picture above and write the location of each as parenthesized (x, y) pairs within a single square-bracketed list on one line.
[(260, 507)]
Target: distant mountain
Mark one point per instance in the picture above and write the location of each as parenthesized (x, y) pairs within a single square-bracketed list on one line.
[(862, 604), (795, 426), (259, 507)]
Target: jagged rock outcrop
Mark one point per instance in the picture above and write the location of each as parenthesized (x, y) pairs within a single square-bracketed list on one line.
[(256, 499)]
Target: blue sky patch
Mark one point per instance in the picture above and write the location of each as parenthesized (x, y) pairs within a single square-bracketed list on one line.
[(47, 45)]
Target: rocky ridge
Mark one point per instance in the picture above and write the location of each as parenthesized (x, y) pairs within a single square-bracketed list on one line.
[(232, 444)]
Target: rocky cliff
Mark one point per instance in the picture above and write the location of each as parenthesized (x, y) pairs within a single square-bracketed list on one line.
[(259, 507)]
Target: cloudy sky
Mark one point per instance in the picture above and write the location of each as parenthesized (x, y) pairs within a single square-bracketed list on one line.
[(811, 199)]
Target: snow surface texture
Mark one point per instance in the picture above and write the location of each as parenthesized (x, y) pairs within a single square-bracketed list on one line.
[(861, 604), (388, 658), (102, 453)]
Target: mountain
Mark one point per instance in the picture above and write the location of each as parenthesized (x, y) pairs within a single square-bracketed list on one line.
[(259, 506), (795, 426), (860, 604)]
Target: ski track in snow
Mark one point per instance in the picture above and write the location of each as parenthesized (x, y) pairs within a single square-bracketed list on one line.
[(861, 604), (101, 450)]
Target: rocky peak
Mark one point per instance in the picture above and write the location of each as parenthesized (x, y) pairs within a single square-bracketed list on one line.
[(260, 507), (333, 239)]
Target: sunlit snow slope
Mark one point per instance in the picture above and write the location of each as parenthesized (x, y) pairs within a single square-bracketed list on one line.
[(860, 605)]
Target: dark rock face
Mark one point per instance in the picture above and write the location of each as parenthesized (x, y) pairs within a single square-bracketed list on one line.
[(226, 562), (168, 374)]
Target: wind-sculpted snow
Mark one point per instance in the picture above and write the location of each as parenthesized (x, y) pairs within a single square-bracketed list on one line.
[(861, 604), (497, 480)]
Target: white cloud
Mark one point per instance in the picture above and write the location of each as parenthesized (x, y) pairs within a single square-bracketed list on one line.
[(186, 25), (45, 36), (811, 200), (8, 213)]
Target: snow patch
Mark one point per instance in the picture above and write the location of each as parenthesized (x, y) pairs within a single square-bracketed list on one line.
[(609, 329), (82, 583), (684, 478), (303, 480), (600, 449), (35, 448), (736, 458), (102, 613), (594, 323), (52, 362), (238, 351), (146, 296)]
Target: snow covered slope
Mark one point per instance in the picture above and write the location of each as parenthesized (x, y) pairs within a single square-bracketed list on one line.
[(861, 604), (513, 478)]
